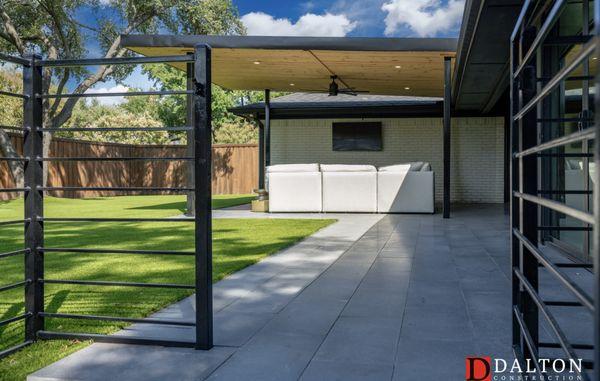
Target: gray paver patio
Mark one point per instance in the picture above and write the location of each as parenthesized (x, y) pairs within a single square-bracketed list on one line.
[(369, 298)]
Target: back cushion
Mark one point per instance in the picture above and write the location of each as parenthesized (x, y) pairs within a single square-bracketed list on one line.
[(347, 168), (293, 168), (416, 166)]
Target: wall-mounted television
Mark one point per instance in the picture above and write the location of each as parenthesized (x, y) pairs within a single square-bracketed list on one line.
[(357, 136)]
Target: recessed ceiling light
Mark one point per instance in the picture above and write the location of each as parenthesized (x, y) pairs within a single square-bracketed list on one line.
[(292, 84), (407, 88), (398, 67), (256, 62), (594, 58)]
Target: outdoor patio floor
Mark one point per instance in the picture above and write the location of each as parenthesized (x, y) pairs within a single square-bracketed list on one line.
[(395, 297)]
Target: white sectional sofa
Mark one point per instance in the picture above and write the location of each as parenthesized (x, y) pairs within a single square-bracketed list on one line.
[(294, 188), (349, 188), (403, 188)]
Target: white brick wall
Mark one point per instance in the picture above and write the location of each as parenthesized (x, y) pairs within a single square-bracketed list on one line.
[(477, 150)]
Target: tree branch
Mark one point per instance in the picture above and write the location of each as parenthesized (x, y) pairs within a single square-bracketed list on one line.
[(114, 51), (11, 34)]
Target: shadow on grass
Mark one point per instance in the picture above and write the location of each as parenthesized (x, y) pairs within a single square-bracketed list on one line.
[(180, 206), (236, 244)]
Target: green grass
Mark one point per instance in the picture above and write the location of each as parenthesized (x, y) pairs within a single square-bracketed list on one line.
[(236, 244)]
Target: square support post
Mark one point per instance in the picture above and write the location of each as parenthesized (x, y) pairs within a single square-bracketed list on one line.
[(189, 121), (267, 127), (202, 193), (595, 249), (34, 198), (524, 214), (261, 154), (447, 133)]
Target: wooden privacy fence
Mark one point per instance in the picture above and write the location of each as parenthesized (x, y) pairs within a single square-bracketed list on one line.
[(234, 169)]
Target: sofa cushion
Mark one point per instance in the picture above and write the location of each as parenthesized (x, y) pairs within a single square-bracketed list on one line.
[(347, 168), (415, 166), (314, 167)]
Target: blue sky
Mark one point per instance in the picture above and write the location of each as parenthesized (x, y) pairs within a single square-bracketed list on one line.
[(354, 18)]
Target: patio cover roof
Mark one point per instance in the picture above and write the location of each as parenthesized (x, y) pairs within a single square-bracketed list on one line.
[(385, 66)]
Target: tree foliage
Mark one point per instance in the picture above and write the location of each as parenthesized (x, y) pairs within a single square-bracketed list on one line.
[(53, 29)]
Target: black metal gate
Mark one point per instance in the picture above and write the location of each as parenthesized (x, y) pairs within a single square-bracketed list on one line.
[(198, 93), (553, 51)]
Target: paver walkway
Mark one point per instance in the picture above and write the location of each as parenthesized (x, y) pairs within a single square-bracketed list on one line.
[(397, 297)]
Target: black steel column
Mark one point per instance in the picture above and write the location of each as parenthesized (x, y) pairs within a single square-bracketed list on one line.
[(528, 179), (189, 121), (447, 133), (34, 199), (517, 337), (267, 127), (202, 192), (595, 250), (261, 154)]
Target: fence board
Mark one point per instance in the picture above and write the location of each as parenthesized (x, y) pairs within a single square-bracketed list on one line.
[(234, 169)]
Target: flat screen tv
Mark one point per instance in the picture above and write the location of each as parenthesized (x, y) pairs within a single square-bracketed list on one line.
[(357, 136)]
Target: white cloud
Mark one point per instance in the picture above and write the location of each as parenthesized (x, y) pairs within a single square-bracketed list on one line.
[(262, 24), (108, 101), (424, 17)]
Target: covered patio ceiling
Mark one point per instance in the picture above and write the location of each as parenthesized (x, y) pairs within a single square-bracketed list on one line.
[(381, 66)]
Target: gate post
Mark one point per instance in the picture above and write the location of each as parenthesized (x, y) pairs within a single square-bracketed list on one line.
[(34, 198), (202, 192)]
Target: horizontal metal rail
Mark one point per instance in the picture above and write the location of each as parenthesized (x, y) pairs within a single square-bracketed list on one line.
[(151, 158), (14, 285), (118, 284), (551, 191), (83, 219), (527, 337), (550, 320), (14, 59), (49, 335), (120, 94), (14, 95), (557, 207), (575, 346), (561, 303), (114, 251), (520, 20), (14, 349), (116, 318), (115, 129), (13, 253), (556, 272), (561, 141), (586, 50), (541, 35), (575, 265), (114, 61), (14, 222), (115, 189), (561, 120), (565, 154), (15, 128), (8, 190), (565, 228), (14, 159), (15, 319)]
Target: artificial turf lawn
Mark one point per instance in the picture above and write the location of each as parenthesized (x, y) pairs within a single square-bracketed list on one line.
[(237, 243)]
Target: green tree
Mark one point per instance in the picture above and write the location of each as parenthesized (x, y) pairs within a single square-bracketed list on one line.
[(172, 110), (94, 114), (51, 28)]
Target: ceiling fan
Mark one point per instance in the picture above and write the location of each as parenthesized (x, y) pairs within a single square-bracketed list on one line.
[(334, 89)]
